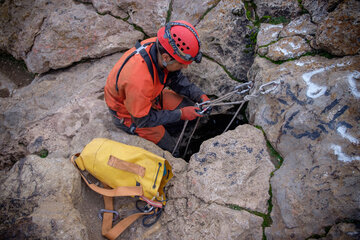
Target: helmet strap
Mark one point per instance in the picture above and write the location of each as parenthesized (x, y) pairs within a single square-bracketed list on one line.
[(164, 63)]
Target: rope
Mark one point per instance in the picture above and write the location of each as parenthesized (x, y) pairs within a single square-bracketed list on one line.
[(240, 89)]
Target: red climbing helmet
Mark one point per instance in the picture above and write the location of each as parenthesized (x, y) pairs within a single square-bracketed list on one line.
[(181, 41)]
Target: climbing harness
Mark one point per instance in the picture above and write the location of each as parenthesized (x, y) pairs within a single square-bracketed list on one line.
[(140, 49), (245, 88)]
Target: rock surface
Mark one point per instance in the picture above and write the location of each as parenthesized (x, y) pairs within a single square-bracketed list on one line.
[(268, 33), (300, 26), (288, 48), (21, 22), (223, 34), (38, 200), (190, 10), (236, 162), (339, 32), (149, 15), (288, 9), (80, 34), (312, 119), (343, 231), (319, 9)]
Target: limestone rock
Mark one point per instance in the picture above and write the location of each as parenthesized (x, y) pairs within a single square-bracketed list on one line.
[(233, 169), (6, 86), (217, 222), (210, 77), (21, 22), (300, 26), (224, 36), (288, 48), (339, 32), (312, 120), (107, 7), (37, 200), (343, 231), (268, 33), (80, 33), (319, 9), (191, 10), (276, 8), (149, 15)]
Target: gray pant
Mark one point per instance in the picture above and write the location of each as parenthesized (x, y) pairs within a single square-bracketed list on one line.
[(172, 130)]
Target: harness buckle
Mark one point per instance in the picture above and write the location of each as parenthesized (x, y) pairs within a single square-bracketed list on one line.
[(137, 51), (101, 211)]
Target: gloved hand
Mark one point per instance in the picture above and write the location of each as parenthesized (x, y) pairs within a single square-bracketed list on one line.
[(189, 113), (204, 98)]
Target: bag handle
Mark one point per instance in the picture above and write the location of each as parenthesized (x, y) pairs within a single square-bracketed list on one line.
[(126, 166), (116, 192)]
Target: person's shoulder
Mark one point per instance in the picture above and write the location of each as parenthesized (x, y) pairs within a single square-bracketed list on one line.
[(149, 40)]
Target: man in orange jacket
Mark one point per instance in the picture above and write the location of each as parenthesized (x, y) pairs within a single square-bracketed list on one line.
[(146, 91)]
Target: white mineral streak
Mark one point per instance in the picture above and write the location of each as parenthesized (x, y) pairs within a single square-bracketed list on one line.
[(283, 51), (343, 132), (314, 90), (352, 83), (297, 46), (342, 156)]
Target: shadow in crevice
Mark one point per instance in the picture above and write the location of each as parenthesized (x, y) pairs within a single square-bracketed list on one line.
[(13, 74), (210, 127)]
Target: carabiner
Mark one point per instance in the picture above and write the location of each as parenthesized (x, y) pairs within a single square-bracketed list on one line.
[(156, 214), (243, 88), (101, 211), (147, 208), (275, 83)]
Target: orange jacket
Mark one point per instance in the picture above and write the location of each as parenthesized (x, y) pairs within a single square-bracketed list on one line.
[(137, 89)]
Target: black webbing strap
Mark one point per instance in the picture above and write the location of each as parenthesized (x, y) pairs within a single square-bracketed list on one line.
[(146, 57), (139, 49)]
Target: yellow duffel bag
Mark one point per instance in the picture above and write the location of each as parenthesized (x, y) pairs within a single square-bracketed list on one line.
[(124, 170)]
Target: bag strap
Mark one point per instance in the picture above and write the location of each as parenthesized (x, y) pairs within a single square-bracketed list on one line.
[(116, 192), (107, 230), (112, 232)]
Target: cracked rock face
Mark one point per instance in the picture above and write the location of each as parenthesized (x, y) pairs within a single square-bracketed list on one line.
[(21, 21), (190, 10), (233, 168), (288, 9), (312, 119), (80, 33), (300, 26), (149, 15), (319, 9), (339, 32), (268, 33), (288, 48), (37, 199), (224, 36)]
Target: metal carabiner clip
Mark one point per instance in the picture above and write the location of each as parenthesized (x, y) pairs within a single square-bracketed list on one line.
[(155, 215), (275, 83), (243, 88), (101, 211), (147, 208)]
